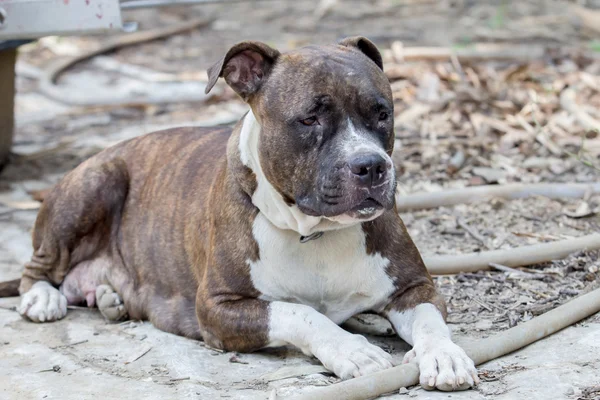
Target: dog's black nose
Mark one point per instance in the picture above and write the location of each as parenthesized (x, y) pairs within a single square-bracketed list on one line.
[(369, 169)]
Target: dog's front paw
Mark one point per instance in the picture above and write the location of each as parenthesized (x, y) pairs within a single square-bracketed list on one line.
[(443, 365), (43, 303), (352, 356)]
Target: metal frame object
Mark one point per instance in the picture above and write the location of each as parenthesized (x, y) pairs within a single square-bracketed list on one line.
[(135, 4), (8, 57), (30, 19)]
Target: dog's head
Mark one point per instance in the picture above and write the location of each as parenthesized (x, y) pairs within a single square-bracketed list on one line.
[(325, 117)]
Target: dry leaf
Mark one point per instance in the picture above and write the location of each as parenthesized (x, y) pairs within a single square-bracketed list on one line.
[(583, 210)]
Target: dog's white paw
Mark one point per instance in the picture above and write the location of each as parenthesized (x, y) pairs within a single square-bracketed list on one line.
[(443, 365), (43, 303), (109, 303), (352, 356)]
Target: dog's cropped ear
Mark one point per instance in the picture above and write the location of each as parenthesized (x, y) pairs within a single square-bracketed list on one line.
[(365, 46), (245, 67)]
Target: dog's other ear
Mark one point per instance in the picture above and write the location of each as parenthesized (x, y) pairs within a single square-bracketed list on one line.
[(365, 46), (245, 67)]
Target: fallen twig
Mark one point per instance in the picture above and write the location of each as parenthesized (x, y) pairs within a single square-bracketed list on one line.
[(55, 368), (420, 201), (69, 345), (510, 270), (481, 350), (185, 378), (473, 53), (135, 358), (472, 231)]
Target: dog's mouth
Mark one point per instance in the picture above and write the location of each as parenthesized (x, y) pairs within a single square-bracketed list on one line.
[(366, 209)]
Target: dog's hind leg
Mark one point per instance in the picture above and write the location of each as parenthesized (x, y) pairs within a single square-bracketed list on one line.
[(75, 224), (109, 303)]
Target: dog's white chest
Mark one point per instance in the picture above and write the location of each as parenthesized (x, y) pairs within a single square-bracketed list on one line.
[(333, 274)]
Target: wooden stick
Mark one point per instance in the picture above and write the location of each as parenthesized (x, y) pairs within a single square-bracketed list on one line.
[(420, 201), (137, 357), (474, 53), (481, 351), (510, 270), (515, 257), (69, 345), (8, 59), (472, 231)]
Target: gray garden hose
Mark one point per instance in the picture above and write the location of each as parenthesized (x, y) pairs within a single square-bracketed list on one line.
[(481, 351)]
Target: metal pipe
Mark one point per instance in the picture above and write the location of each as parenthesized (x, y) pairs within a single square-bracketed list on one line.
[(136, 4)]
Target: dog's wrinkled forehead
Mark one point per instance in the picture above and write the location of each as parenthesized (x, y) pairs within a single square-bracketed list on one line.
[(313, 74)]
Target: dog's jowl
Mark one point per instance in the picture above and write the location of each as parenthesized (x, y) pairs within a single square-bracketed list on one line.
[(269, 234)]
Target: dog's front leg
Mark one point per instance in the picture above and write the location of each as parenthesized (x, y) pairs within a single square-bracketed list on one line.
[(251, 324), (347, 355), (418, 317)]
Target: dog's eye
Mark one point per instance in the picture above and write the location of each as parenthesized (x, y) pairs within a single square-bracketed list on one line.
[(383, 116), (310, 121)]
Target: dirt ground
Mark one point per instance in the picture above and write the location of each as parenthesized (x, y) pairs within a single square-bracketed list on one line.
[(459, 122)]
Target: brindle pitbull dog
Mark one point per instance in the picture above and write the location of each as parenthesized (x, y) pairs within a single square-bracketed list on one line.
[(271, 234)]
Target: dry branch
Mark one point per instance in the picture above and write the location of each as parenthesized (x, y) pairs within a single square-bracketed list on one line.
[(517, 272), (475, 53), (481, 351), (472, 231), (138, 356)]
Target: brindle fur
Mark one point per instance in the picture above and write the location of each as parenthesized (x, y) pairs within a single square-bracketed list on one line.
[(168, 216)]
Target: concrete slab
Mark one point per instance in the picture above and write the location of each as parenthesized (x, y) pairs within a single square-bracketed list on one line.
[(97, 359)]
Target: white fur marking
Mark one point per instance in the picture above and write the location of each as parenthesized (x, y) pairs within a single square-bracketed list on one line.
[(345, 354), (357, 143), (442, 364), (403, 323), (265, 197), (347, 220), (43, 303), (421, 322), (333, 274)]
